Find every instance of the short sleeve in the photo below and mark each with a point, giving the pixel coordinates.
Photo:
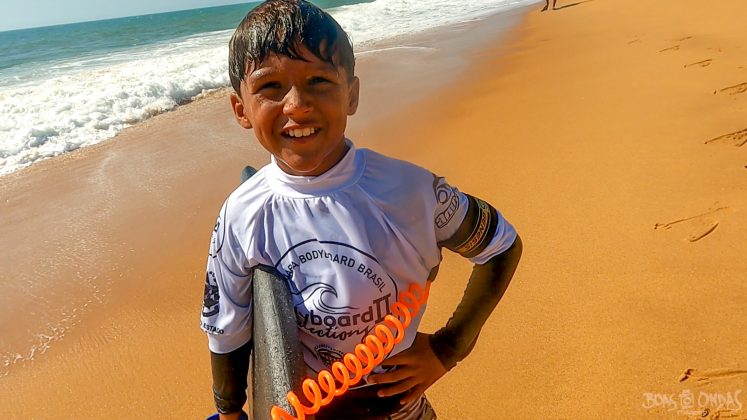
(227, 304)
(468, 225)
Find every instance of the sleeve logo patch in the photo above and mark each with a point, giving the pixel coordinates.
(216, 241)
(445, 196)
(210, 305)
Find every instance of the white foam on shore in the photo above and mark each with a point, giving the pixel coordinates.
(369, 23)
(95, 99)
(60, 107)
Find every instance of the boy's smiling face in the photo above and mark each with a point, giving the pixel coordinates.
(298, 110)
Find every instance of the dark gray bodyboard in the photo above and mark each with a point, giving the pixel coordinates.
(277, 361)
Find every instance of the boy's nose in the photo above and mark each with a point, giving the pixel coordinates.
(296, 102)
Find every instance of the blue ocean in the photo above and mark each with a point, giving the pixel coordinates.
(69, 86)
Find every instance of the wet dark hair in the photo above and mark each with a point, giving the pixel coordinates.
(282, 27)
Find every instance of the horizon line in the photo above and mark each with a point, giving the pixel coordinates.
(3, 30)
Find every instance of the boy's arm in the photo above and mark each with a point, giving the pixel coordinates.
(226, 317)
(229, 380)
(431, 356)
(486, 286)
(474, 229)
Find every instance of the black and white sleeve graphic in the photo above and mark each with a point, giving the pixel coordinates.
(468, 225)
(227, 303)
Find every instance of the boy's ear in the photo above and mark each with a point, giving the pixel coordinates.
(239, 111)
(355, 87)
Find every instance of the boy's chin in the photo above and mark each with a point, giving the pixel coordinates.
(301, 167)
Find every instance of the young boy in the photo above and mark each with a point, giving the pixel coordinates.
(349, 228)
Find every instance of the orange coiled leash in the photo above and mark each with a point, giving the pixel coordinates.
(362, 361)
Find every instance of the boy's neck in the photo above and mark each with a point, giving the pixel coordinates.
(336, 156)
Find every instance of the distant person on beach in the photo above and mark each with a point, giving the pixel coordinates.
(348, 228)
(547, 4)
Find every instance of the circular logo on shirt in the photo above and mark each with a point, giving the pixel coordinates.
(339, 293)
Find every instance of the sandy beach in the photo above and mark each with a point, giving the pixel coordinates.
(612, 134)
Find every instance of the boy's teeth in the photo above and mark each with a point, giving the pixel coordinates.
(301, 132)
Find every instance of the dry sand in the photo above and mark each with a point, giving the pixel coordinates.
(603, 130)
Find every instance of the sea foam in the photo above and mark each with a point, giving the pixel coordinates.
(95, 98)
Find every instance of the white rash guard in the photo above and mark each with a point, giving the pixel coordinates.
(348, 241)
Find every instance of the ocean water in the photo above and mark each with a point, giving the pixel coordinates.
(70, 86)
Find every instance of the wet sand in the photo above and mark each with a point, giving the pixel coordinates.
(608, 132)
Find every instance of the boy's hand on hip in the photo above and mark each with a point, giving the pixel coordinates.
(417, 369)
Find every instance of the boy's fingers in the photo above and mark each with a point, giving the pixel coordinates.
(398, 359)
(389, 377)
(398, 388)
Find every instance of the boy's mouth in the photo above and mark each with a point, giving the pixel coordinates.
(300, 133)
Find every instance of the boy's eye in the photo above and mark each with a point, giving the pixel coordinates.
(269, 85)
(319, 80)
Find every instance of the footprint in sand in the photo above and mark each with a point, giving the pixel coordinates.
(708, 376)
(701, 63)
(737, 138)
(699, 226)
(674, 48)
(734, 90)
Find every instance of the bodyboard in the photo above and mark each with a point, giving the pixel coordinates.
(276, 365)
